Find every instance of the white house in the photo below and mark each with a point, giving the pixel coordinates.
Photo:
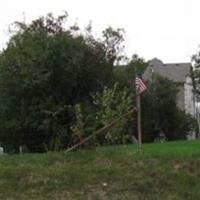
(179, 73)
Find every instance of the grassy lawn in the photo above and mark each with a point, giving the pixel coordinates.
(164, 171)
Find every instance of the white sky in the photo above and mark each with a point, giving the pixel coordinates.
(166, 29)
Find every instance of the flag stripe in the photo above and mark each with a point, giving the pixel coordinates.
(140, 86)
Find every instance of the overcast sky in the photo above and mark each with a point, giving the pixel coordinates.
(166, 29)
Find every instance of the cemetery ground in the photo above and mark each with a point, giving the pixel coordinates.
(163, 171)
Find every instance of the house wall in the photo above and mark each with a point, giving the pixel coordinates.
(177, 72)
(189, 97)
(180, 99)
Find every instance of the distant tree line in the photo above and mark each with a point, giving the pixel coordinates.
(58, 85)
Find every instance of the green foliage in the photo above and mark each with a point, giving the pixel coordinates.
(112, 43)
(125, 74)
(136, 65)
(161, 114)
(111, 105)
(46, 68)
(108, 106)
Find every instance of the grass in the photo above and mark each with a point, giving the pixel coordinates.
(168, 171)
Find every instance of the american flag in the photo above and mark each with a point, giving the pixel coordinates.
(139, 84)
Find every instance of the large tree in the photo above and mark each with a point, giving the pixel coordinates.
(125, 74)
(161, 113)
(45, 70)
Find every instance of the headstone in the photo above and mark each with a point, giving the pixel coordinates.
(134, 140)
(1, 150)
(20, 149)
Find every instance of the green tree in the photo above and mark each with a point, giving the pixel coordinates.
(161, 114)
(44, 70)
(125, 74)
(111, 105)
(108, 106)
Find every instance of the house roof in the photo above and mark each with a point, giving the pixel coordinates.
(176, 72)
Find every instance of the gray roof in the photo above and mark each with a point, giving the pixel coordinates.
(176, 72)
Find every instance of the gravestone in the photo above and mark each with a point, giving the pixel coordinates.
(1, 150)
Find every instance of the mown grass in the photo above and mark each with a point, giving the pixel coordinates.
(163, 171)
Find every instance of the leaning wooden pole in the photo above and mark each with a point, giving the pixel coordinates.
(100, 131)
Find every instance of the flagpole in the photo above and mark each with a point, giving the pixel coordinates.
(138, 101)
(139, 87)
